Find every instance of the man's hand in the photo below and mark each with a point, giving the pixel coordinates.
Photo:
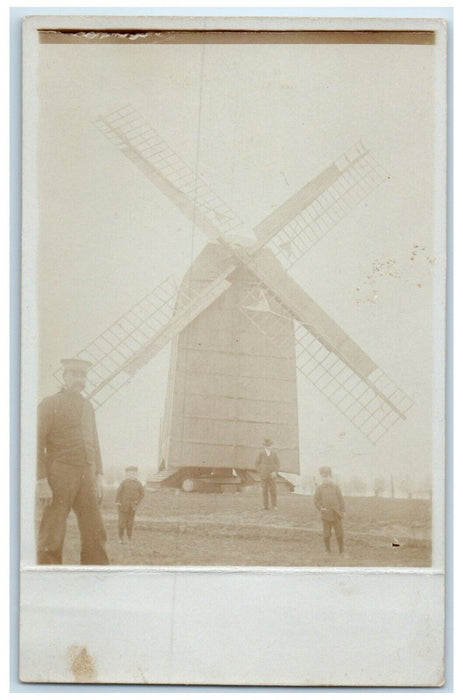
(43, 492)
(99, 487)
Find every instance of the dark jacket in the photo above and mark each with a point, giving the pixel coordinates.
(266, 464)
(67, 432)
(329, 501)
(129, 494)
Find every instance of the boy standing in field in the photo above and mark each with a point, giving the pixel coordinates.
(329, 501)
(129, 495)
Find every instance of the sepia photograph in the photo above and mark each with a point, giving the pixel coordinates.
(234, 259)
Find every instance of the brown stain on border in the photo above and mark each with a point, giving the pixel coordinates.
(234, 36)
(82, 664)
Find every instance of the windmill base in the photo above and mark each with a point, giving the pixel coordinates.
(221, 480)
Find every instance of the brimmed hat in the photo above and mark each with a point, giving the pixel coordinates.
(267, 442)
(76, 364)
(325, 471)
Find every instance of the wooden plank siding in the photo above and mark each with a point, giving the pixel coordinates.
(230, 386)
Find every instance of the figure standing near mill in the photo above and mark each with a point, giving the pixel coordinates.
(329, 500)
(128, 497)
(69, 470)
(267, 464)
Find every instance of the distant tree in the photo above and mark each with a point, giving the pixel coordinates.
(357, 485)
(379, 486)
(425, 486)
(406, 487)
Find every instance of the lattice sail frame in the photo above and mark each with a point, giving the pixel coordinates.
(140, 142)
(112, 349)
(355, 175)
(138, 335)
(373, 403)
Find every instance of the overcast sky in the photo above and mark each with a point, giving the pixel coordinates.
(258, 122)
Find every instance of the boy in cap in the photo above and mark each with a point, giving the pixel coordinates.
(329, 501)
(129, 495)
(267, 464)
(69, 470)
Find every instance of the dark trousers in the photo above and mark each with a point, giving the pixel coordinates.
(125, 522)
(269, 486)
(73, 487)
(328, 525)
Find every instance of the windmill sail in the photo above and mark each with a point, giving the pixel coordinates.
(137, 336)
(307, 216)
(372, 403)
(326, 355)
(141, 144)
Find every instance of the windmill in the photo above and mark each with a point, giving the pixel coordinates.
(239, 325)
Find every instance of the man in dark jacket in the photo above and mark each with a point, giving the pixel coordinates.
(329, 501)
(69, 470)
(128, 497)
(268, 464)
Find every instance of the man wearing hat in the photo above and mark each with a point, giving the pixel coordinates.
(129, 495)
(329, 501)
(69, 470)
(268, 464)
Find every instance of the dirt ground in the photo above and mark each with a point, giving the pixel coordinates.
(175, 528)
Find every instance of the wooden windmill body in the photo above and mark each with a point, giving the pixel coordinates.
(239, 324)
(229, 386)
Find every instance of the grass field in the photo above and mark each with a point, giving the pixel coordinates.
(174, 528)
